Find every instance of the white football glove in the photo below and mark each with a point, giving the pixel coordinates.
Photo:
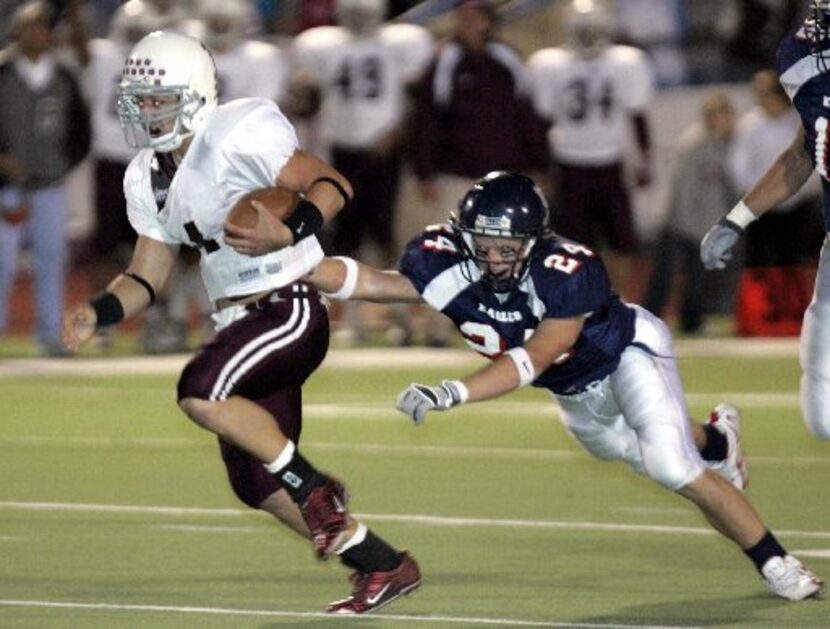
(717, 243)
(417, 399)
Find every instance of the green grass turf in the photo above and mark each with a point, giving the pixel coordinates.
(121, 441)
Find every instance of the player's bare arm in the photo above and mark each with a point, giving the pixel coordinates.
(551, 340)
(514, 369)
(783, 179)
(343, 278)
(325, 192)
(125, 296)
(323, 185)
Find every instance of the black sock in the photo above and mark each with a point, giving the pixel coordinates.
(299, 477)
(716, 444)
(371, 555)
(765, 550)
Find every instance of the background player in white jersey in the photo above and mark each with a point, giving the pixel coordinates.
(802, 64)
(197, 160)
(361, 70)
(112, 231)
(246, 67)
(592, 91)
(540, 308)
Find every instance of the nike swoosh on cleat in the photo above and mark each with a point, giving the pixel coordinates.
(374, 599)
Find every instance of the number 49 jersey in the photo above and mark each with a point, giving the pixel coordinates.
(808, 87)
(565, 280)
(362, 78)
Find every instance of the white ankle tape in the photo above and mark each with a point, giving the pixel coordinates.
(357, 538)
(283, 459)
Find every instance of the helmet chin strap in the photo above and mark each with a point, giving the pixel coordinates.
(170, 141)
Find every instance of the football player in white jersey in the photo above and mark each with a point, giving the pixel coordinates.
(245, 68)
(360, 71)
(591, 91)
(196, 161)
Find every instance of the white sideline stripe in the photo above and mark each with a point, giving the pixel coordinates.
(195, 528)
(387, 358)
(365, 448)
(225, 611)
(815, 554)
(405, 518)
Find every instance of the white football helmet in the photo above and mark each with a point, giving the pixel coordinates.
(361, 16)
(179, 72)
(225, 22)
(133, 20)
(589, 27)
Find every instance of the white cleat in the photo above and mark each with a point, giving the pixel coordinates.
(788, 578)
(726, 419)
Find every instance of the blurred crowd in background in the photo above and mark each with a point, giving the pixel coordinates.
(643, 121)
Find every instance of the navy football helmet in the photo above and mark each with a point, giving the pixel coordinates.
(503, 205)
(817, 29)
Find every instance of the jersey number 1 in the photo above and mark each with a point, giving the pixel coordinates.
(821, 147)
(209, 245)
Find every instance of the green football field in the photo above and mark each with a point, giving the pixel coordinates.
(115, 512)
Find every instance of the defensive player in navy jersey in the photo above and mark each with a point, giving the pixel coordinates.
(542, 309)
(803, 63)
(197, 160)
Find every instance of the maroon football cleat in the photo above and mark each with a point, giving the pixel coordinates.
(324, 511)
(373, 590)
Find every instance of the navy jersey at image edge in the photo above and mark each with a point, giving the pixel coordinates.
(809, 89)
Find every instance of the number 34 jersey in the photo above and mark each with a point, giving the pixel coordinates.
(808, 86)
(565, 280)
(243, 146)
(590, 100)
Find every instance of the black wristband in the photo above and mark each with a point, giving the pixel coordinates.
(337, 186)
(144, 283)
(306, 220)
(108, 310)
(733, 226)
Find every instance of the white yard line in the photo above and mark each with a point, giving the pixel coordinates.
(275, 613)
(551, 454)
(403, 518)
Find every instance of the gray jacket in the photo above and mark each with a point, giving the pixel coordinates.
(48, 130)
(701, 191)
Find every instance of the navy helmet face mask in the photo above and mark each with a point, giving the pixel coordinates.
(817, 28)
(502, 205)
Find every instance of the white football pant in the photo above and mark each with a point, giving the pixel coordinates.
(815, 353)
(638, 414)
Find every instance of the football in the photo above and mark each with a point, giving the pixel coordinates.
(278, 201)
